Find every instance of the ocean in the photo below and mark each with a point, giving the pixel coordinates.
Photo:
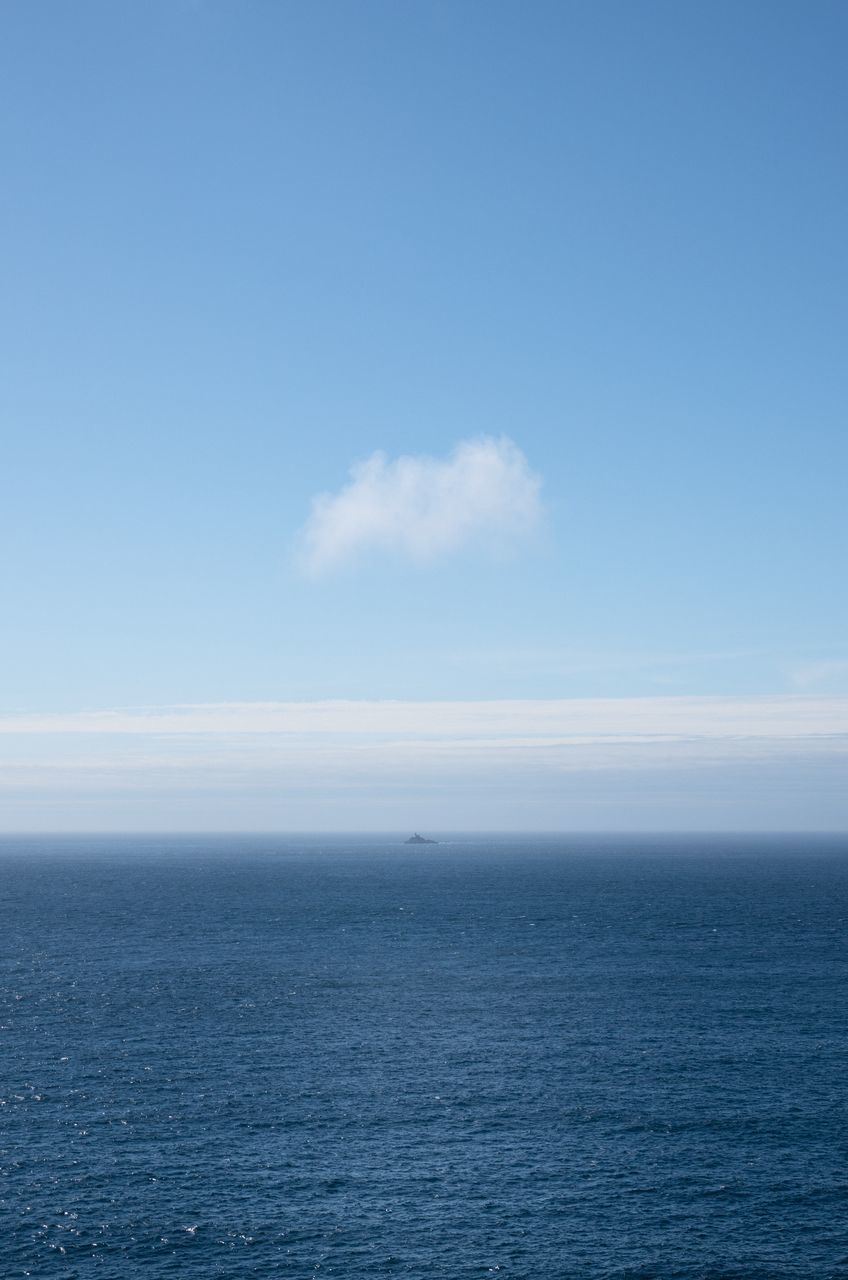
(573, 1057)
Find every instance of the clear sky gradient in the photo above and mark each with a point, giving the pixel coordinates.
(576, 272)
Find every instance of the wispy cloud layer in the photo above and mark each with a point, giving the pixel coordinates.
(585, 719)
(421, 507)
(673, 762)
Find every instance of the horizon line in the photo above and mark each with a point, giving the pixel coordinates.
(547, 832)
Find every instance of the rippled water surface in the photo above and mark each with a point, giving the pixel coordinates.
(527, 1058)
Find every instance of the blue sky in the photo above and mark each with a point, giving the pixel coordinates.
(247, 246)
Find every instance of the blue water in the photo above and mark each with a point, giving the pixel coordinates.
(517, 1058)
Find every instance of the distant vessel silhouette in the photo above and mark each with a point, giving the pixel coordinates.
(417, 839)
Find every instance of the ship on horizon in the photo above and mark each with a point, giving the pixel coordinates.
(417, 839)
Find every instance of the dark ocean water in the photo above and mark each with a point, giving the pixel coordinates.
(529, 1058)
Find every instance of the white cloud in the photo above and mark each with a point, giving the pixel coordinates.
(826, 674)
(422, 507)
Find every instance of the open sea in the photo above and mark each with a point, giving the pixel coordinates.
(565, 1058)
